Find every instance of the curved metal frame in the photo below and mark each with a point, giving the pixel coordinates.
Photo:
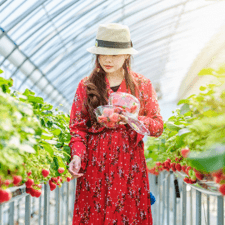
(155, 55)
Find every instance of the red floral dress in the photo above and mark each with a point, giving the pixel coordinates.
(114, 189)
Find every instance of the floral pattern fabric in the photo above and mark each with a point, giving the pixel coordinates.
(114, 189)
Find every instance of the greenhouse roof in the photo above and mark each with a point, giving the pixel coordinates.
(43, 42)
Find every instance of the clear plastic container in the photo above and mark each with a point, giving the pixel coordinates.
(108, 115)
(131, 106)
(128, 102)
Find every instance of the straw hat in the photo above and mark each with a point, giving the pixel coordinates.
(113, 39)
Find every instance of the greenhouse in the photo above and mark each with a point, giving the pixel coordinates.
(112, 112)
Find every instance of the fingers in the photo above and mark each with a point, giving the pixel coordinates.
(74, 168)
(123, 119)
(73, 177)
(75, 174)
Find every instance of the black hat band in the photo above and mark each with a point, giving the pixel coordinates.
(111, 44)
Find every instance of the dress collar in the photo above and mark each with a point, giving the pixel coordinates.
(121, 88)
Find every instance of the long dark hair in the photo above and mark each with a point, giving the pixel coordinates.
(96, 86)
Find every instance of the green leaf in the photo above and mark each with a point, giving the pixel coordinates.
(202, 88)
(183, 131)
(35, 99)
(184, 109)
(47, 147)
(171, 126)
(206, 71)
(1, 71)
(47, 136)
(182, 101)
(56, 132)
(49, 124)
(209, 160)
(28, 92)
(210, 113)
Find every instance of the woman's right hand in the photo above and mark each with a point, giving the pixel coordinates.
(74, 167)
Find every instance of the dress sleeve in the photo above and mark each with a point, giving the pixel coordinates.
(79, 117)
(150, 111)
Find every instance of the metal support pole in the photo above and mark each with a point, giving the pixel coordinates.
(220, 210)
(191, 207)
(208, 211)
(184, 202)
(1, 218)
(67, 203)
(46, 209)
(159, 199)
(57, 208)
(168, 199)
(164, 194)
(40, 211)
(198, 208)
(11, 213)
(27, 209)
(174, 204)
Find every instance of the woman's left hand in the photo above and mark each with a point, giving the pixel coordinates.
(123, 119)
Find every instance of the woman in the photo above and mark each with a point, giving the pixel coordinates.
(113, 186)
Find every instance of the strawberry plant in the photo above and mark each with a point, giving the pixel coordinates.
(193, 137)
(33, 141)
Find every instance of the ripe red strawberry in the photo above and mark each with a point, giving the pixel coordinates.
(173, 164)
(5, 195)
(158, 163)
(68, 179)
(54, 179)
(167, 164)
(117, 110)
(184, 168)
(185, 152)
(16, 179)
(52, 185)
(217, 179)
(217, 174)
(39, 185)
(45, 172)
(60, 178)
(222, 189)
(192, 181)
(61, 170)
(173, 168)
(187, 169)
(7, 182)
(28, 190)
(133, 108)
(168, 160)
(178, 166)
(29, 173)
(199, 176)
(38, 193)
(186, 179)
(32, 192)
(29, 183)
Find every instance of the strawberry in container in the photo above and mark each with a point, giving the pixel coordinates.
(130, 107)
(129, 103)
(108, 115)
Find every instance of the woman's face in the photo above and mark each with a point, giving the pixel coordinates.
(116, 61)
